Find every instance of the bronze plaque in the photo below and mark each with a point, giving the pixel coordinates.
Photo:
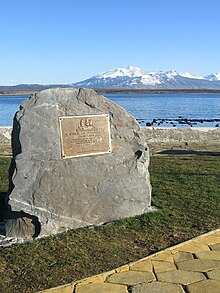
(85, 135)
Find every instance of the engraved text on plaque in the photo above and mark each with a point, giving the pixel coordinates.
(85, 135)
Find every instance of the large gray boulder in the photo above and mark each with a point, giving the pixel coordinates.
(70, 193)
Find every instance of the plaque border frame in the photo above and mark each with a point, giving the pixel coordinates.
(63, 156)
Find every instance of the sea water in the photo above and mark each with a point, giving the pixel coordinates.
(172, 108)
(164, 109)
(9, 105)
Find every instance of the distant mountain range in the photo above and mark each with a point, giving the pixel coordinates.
(134, 78)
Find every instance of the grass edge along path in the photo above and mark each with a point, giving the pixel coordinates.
(185, 188)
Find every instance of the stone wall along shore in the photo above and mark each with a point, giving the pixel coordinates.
(155, 134)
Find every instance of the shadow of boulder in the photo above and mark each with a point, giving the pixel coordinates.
(188, 152)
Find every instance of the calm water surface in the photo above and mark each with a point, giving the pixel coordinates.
(145, 107)
(9, 105)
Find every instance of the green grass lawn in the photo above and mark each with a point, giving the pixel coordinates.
(4, 166)
(186, 189)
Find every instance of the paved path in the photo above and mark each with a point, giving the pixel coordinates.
(190, 267)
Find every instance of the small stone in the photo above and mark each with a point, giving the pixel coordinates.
(164, 256)
(95, 279)
(215, 274)
(20, 228)
(192, 247)
(210, 239)
(180, 277)
(212, 255)
(199, 265)
(157, 287)
(206, 286)
(124, 268)
(143, 266)
(163, 266)
(131, 278)
(182, 256)
(215, 247)
(101, 288)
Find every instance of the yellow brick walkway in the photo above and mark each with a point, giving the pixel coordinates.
(192, 267)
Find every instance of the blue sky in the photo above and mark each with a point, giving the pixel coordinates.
(64, 41)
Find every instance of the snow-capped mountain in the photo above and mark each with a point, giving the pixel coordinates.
(130, 71)
(213, 76)
(189, 75)
(134, 77)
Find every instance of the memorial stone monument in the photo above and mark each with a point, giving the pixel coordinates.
(78, 160)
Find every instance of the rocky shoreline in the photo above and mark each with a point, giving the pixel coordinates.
(179, 121)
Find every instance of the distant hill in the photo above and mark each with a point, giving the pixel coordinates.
(30, 87)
